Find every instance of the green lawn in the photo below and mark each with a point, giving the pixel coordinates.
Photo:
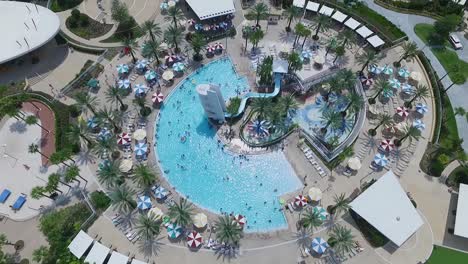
(446, 57)
(441, 255)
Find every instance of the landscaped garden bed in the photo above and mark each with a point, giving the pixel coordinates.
(62, 5)
(459, 175)
(81, 85)
(442, 255)
(83, 26)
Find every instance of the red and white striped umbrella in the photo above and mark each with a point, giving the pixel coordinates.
(367, 81)
(402, 111)
(300, 200)
(218, 46)
(194, 239)
(170, 58)
(123, 139)
(240, 220)
(157, 97)
(387, 145)
(210, 49)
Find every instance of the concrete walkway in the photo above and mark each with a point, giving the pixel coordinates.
(406, 23)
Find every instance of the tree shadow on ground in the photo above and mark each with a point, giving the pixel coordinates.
(18, 127)
(226, 253)
(150, 247)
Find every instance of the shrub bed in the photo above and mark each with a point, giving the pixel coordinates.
(81, 85)
(458, 175)
(62, 5)
(83, 26)
(433, 8)
(100, 200)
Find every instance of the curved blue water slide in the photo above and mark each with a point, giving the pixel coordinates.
(249, 95)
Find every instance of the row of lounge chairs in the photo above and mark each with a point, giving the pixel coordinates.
(20, 201)
(124, 226)
(309, 154)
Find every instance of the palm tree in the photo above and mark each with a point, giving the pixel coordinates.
(38, 192)
(152, 29)
(420, 92)
(104, 147)
(306, 33)
(355, 103)
(339, 52)
(52, 183)
(246, 32)
(228, 231)
(174, 14)
(261, 105)
(381, 85)
(348, 38)
(410, 50)
(412, 133)
(131, 45)
(60, 157)
(255, 37)
(259, 11)
(181, 212)
(109, 115)
(71, 173)
(148, 226)
(291, 13)
(85, 101)
(385, 120)
(342, 239)
(77, 132)
(151, 49)
(114, 95)
(197, 42)
(299, 30)
(366, 58)
(294, 62)
(288, 103)
(276, 118)
(32, 120)
(310, 219)
(144, 176)
(173, 35)
(347, 78)
(341, 204)
(122, 198)
(332, 119)
(322, 24)
(331, 44)
(141, 103)
(34, 148)
(110, 175)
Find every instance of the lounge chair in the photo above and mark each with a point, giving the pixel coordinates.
(4, 195)
(19, 202)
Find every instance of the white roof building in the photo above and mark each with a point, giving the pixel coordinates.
(352, 23)
(24, 28)
(312, 6)
(98, 254)
(299, 3)
(136, 261)
(386, 206)
(461, 220)
(326, 10)
(208, 9)
(80, 244)
(364, 31)
(117, 258)
(375, 41)
(338, 16)
(280, 66)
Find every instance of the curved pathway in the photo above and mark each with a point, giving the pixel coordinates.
(406, 23)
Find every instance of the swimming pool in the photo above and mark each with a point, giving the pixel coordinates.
(200, 168)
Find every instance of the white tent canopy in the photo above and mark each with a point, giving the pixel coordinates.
(117, 258)
(80, 244)
(208, 9)
(352, 23)
(136, 261)
(364, 31)
(326, 10)
(312, 6)
(375, 41)
(386, 206)
(338, 16)
(461, 220)
(98, 254)
(299, 3)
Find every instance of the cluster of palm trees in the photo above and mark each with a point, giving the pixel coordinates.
(72, 173)
(411, 133)
(275, 113)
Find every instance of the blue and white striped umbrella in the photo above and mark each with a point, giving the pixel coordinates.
(122, 68)
(306, 54)
(124, 84)
(104, 134)
(418, 123)
(164, 6)
(140, 89)
(160, 192)
(174, 230)
(388, 70)
(92, 122)
(380, 159)
(395, 83)
(141, 64)
(403, 72)
(144, 203)
(421, 108)
(319, 245)
(178, 66)
(141, 149)
(150, 75)
(374, 68)
(407, 88)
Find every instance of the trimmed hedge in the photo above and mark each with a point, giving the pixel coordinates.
(62, 5)
(100, 200)
(435, 9)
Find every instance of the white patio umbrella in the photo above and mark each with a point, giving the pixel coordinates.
(168, 75)
(126, 165)
(319, 59)
(200, 220)
(354, 163)
(315, 194)
(171, 3)
(139, 134)
(156, 212)
(415, 76)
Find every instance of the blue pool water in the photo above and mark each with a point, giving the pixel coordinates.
(199, 167)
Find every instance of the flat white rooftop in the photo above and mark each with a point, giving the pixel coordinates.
(461, 220)
(208, 9)
(312, 6)
(375, 41)
(98, 254)
(352, 23)
(386, 206)
(299, 3)
(364, 31)
(80, 244)
(117, 258)
(24, 28)
(326, 10)
(338, 16)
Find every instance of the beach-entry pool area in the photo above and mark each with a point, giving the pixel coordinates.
(201, 169)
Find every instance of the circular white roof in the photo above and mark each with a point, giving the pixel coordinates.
(24, 28)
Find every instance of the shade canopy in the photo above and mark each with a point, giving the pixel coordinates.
(313, 6)
(315, 194)
(141, 149)
(402, 111)
(421, 108)
(416, 76)
(326, 10)
(139, 134)
(354, 163)
(123, 139)
(194, 239)
(380, 159)
(240, 220)
(150, 75)
(178, 67)
(136, 261)
(387, 145)
(140, 89)
(144, 202)
(387, 70)
(117, 258)
(375, 41)
(122, 68)
(300, 200)
(364, 31)
(97, 254)
(168, 75)
(403, 72)
(299, 3)
(419, 124)
(124, 84)
(208, 9)
(93, 83)
(319, 245)
(338, 16)
(80, 244)
(386, 206)
(126, 165)
(155, 212)
(200, 220)
(174, 230)
(374, 68)
(352, 23)
(321, 212)
(160, 192)
(157, 97)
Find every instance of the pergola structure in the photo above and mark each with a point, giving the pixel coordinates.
(209, 9)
